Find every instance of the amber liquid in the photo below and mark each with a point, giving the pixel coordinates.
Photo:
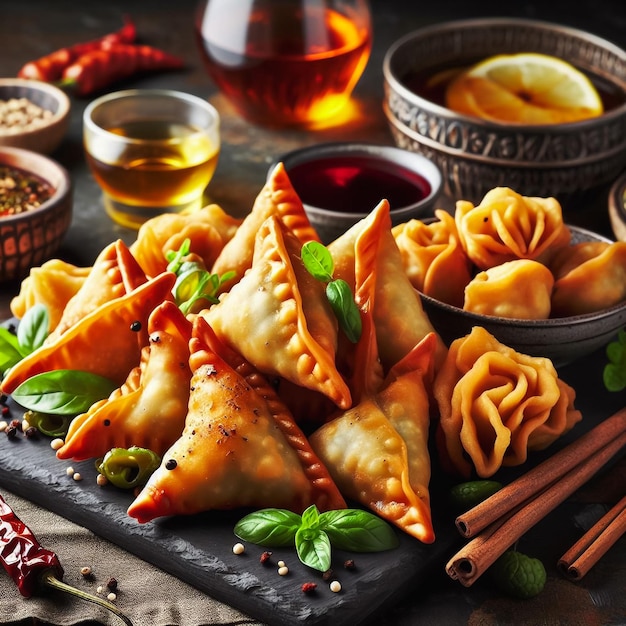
(168, 170)
(356, 184)
(284, 78)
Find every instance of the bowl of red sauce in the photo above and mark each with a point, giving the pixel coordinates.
(341, 183)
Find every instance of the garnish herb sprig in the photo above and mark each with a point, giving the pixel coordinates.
(195, 287)
(614, 374)
(313, 533)
(32, 331)
(319, 263)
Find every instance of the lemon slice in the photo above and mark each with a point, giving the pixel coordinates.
(524, 88)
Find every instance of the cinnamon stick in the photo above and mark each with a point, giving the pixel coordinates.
(594, 544)
(471, 561)
(536, 479)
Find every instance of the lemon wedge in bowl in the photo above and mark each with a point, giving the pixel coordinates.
(524, 88)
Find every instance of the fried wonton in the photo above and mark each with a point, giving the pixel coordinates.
(115, 272)
(277, 198)
(279, 318)
(208, 230)
(149, 409)
(496, 405)
(589, 277)
(53, 285)
(377, 451)
(519, 289)
(507, 226)
(231, 454)
(433, 257)
(108, 341)
(399, 317)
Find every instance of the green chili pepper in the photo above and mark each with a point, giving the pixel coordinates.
(128, 468)
(49, 424)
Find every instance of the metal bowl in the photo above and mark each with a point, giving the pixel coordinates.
(562, 339)
(574, 162)
(29, 238)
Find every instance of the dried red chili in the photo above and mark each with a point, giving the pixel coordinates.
(99, 68)
(32, 566)
(50, 68)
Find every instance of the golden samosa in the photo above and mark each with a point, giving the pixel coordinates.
(149, 409)
(231, 454)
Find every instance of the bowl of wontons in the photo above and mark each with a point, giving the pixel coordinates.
(562, 297)
(576, 161)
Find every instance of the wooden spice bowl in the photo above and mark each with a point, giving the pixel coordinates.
(31, 237)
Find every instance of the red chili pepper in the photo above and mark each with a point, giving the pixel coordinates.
(99, 68)
(50, 68)
(32, 566)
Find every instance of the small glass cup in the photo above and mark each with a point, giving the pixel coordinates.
(285, 62)
(151, 151)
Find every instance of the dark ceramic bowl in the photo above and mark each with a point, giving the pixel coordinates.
(341, 183)
(47, 137)
(575, 162)
(563, 340)
(29, 238)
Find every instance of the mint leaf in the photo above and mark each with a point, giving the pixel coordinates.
(62, 392)
(342, 302)
(269, 527)
(318, 261)
(357, 530)
(313, 548)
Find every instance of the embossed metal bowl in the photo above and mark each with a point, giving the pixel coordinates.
(574, 162)
(31, 237)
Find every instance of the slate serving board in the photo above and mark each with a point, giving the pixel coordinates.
(198, 549)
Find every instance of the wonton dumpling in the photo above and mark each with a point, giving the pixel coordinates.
(115, 272)
(53, 285)
(507, 226)
(496, 404)
(519, 289)
(231, 454)
(399, 317)
(433, 257)
(589, 277)
(149, 410)
(208, 230)
(277, 198)
(278, 317)
(107, 342)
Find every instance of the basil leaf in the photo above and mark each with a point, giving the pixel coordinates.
(317, 260)
(358, 531)
(614, 373)
(313, 548)
(33, 329)
(10, 352)
(269, 527)
(62, 392)
(342, 302)
(310, 517)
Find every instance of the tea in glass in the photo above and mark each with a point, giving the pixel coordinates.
(151, 151)
(285, 62)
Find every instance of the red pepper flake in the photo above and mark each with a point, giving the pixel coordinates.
(309, 588)
(21, 191)
(349, 564)
(6, 410)
(265, 557)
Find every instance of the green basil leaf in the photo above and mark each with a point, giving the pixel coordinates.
(358, 531)
(317, 260)
(273, 528)
(313, 548)
(33, 329)
(310, 517)
(62, 392)
(614, 377)
(342, 302)
(10, 352)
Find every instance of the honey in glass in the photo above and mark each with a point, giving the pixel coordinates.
(285, 62)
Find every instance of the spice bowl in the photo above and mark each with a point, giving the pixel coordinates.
(576, 162)
(341, 183)
(33, 115)
(32, 234)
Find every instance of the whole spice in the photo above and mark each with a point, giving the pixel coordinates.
(32, 566)
(99, 68)
(50, 68)
(21, 191)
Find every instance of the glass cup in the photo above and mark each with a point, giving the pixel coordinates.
(151, 151)
(285, 62)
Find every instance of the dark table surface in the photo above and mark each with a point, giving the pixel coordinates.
(32, 28)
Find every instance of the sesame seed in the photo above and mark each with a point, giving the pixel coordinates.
(283, 570)
(112, 597)
(69, 471)
(239, 548)
(55, 444)
(335, 586)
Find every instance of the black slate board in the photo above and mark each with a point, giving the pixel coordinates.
(198, 549)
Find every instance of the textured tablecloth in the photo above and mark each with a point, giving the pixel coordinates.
(149, 596)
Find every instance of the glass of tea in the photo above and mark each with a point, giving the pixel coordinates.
(285, 62)
(151, 151)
